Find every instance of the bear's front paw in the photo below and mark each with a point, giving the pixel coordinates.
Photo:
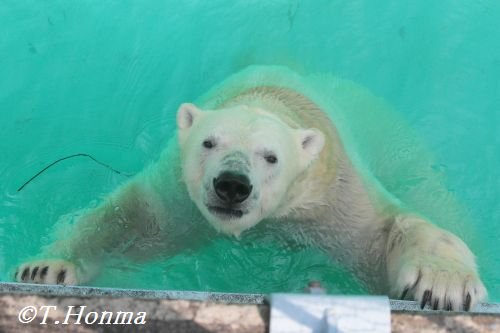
(47, 272)
(441, 284)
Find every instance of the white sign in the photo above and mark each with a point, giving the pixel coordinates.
(329, 314)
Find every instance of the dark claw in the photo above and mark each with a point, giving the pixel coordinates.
(418, 279)
(426, 298)
(25, 274)
(436, 304)
(449, 307)
(467, 302)
(403, 295)
(33, 272)
(43, 272)
(15, 275)
(61, 276)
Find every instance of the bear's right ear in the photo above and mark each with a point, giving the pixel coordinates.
(312, 142)
(186, 115)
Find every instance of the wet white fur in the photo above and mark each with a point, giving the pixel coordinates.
(315, 187)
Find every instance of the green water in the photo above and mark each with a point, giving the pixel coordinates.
(105, 77)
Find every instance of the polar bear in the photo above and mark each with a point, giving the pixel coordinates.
(268, 152)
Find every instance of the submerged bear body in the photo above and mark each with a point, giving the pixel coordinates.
(269, 152)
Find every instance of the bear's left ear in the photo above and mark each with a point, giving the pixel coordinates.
(312, 141)
(186, 115)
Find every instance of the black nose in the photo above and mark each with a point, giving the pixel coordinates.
(232, 187)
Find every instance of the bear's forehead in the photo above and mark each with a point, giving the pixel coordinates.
(238, 119)
(252, 130)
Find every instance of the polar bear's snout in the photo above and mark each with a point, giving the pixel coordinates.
(232, 188)
(231, 192)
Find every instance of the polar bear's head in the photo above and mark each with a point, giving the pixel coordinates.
(239, 162)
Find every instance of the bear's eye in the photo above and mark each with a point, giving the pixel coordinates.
(209, 144)
(271, 159)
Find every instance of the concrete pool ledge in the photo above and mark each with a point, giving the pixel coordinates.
(186, 311)
(230, 298)
(78, 291)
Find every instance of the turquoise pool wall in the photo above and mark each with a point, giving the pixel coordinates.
(105, 77)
